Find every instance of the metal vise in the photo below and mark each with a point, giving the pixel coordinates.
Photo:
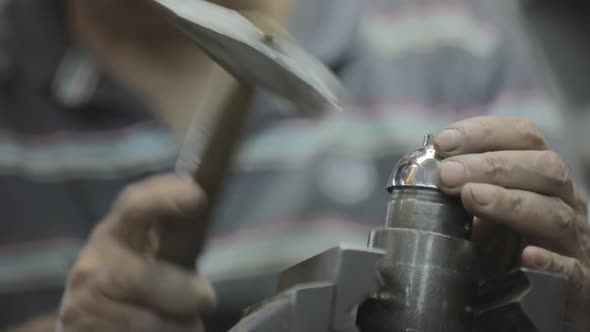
(418, 274)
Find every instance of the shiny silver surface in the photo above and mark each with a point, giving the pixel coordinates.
(429, 270)
(418, 168)
(274, 63)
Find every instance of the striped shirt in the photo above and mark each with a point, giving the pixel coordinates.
(61, 163)
(298, 186)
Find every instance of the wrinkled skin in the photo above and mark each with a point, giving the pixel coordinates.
(507, 177)
(117, 285)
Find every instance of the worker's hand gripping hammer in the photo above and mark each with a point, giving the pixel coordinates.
(258, 54)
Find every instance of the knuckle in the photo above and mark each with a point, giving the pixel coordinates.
(189, 206)
(580, 203)
(87, 266)
(496, 167)
(460, 127)
(130, 197)
(121, 280)
(101, 234)
(126, 282)
(530, 133)
(554, 167)
(577, 276)
(201, 197)
(565, 218)
(486, 125)
(202, 298)
(483, 124)
(516, 204)
(70, 314)
(80, 276)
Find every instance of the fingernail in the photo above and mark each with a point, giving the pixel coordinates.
(541, 261)
(452, 174)
(448, 140)
(483, 195)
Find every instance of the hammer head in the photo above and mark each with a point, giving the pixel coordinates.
(275, 63)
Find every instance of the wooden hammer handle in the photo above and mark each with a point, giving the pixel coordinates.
(181, 244)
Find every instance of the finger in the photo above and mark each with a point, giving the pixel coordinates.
(542, 172)
(578, 276)
(128, 318)
(542, 259)
(169, 199)
(535, 216)
(158, 285)
(489, 133)
(93, 312)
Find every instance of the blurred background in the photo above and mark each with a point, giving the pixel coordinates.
(560, 32)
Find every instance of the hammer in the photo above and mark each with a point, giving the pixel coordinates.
(258, 53)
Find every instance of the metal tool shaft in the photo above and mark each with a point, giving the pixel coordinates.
(428, 273)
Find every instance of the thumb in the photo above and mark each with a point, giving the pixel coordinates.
(167, 199)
